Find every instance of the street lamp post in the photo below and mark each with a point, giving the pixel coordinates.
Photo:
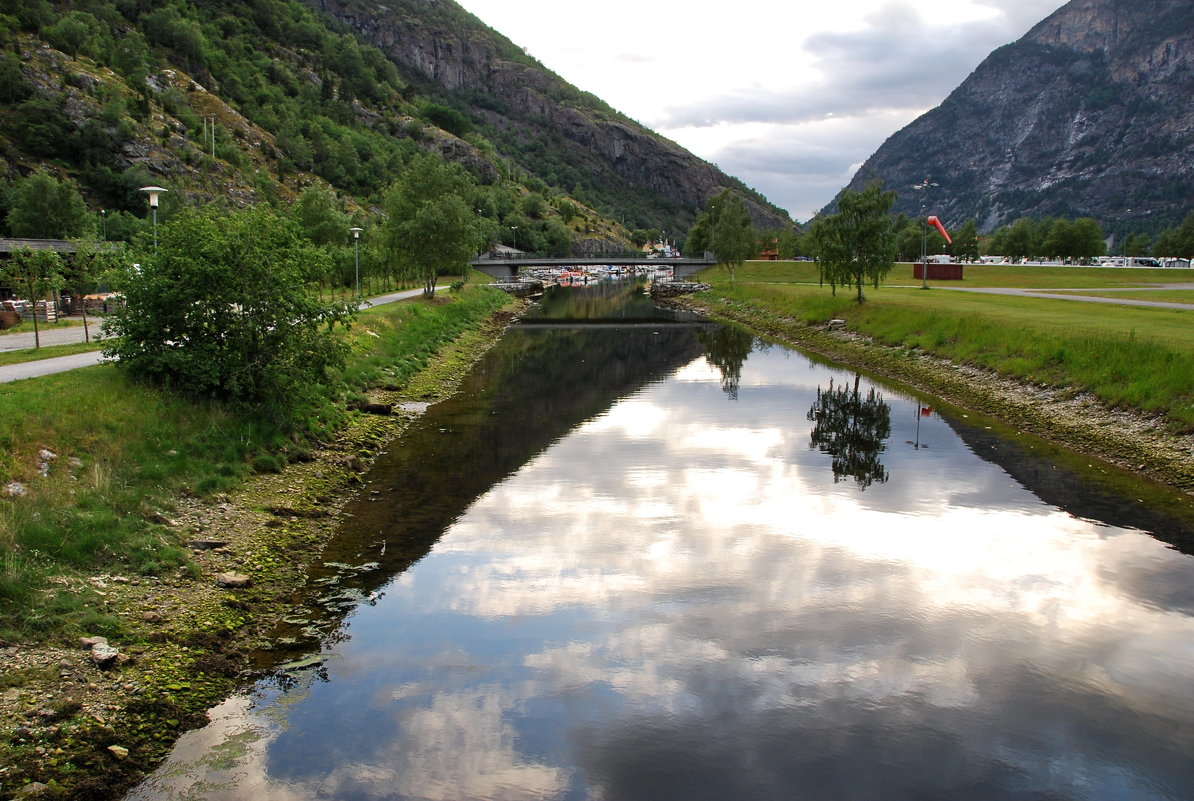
(356, 239)
(923, 188)
(154, 192)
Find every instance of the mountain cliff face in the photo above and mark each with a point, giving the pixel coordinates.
(1090, 114)
(529, 110)
(259, 100)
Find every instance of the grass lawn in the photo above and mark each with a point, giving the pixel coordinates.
(1130, 356)
(1167, 295)
(99, 458)
(26, 325)
(47, 352)
(974, 275)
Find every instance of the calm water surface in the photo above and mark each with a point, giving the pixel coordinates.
(639, 558)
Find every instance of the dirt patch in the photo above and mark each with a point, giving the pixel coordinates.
(73, 725)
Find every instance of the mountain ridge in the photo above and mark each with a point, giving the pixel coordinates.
(451, 50)
(1087, 115)
(123, 94)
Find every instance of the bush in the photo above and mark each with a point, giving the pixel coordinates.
(223, 310)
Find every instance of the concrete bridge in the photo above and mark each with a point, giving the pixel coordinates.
(506, 266)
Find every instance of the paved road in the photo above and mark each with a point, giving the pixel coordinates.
(63, 336)
(58, 364)
(1056, 294)
(50, 336)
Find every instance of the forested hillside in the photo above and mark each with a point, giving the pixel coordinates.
(251, 101)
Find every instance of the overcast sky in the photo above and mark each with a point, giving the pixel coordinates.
(790, 97)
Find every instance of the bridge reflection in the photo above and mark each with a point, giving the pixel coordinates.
(508, 265)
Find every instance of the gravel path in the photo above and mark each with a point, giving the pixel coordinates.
(66, 336)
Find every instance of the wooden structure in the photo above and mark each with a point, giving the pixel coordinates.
(938, 272)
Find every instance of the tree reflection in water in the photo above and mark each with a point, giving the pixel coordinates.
(726, 348)
(852, 429)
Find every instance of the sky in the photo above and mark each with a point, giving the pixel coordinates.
(790, 97)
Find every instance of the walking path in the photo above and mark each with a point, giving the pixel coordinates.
(57, 364)
(1056, 294)
(63, 336)
(51, 336)
(59, 336)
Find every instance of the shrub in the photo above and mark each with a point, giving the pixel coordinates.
(223, 311)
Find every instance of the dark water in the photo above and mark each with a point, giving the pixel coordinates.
(641, 558)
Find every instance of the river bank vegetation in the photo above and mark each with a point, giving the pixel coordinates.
(98, 459)
(1130, 358)
(133, 505)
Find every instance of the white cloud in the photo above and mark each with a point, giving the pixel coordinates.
(787, 97)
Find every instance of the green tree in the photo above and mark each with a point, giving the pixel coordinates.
(1015, 241)
(567, 210)
(79, 32)
(534, 206)
(166, 27)
(223, 311)
(908, 234)
(45, 208)
(1177, 241)
(1087, 239)
(37, 273)
(966, 242)
(83, 272)
(700, 235)
(734, 239)
(557, 236)
(320, 218)
(13, 85)
(790, 243)
(432, 229)
(1136, 244)
(857, 244)
(1060, 241)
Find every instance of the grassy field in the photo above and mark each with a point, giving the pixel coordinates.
(1167, 295)
(26, 325)
(47, 352)
(98, 461)
(1137, 357)
(974, 275)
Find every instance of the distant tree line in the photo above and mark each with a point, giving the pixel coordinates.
(335, 107)
(234, 303)
(1053, 238)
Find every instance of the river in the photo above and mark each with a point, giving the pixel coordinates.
(644, 557)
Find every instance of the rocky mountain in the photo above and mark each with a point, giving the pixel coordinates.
(536, 117)
(1090, 114)
(255, 100)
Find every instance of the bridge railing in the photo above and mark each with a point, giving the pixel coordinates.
(598, 255)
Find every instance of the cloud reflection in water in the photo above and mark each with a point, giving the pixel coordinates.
(677, 601)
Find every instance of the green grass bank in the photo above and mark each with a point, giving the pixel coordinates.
(119, 480)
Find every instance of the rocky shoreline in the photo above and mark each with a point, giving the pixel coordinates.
(87, 720)
(1124, 438)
